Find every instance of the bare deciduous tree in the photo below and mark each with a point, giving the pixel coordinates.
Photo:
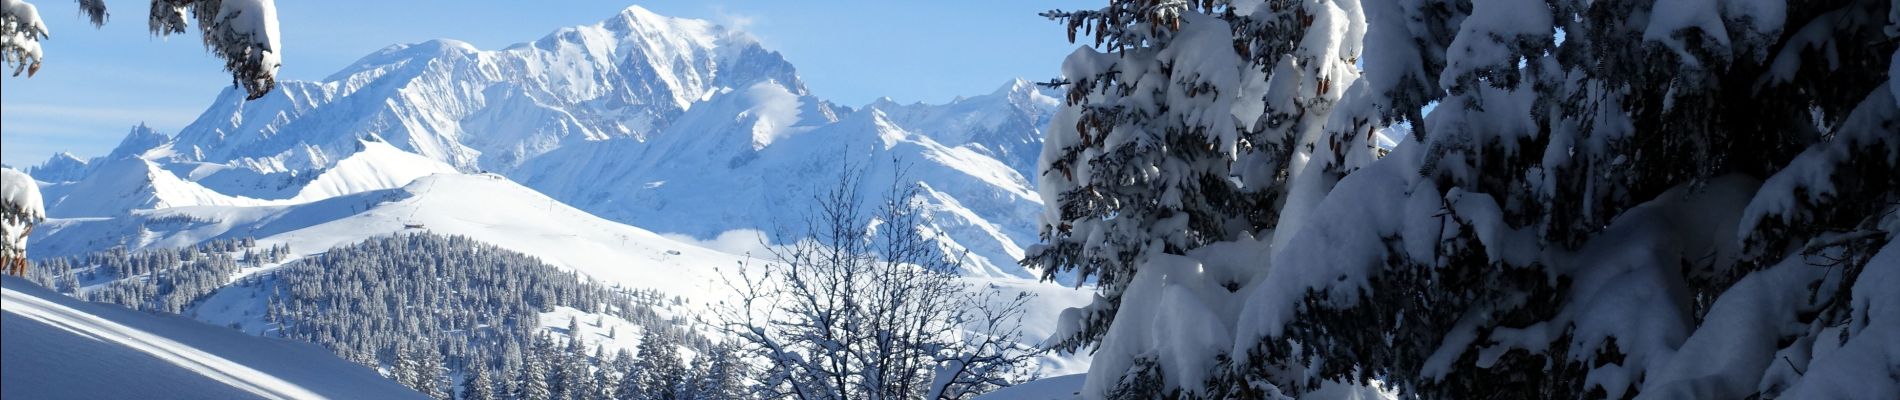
(866, 305)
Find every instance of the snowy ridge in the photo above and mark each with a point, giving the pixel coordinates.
(99, 351)
(705, 184)
(376, 166)
(119, 185)
(1005, 125)
(136, 180)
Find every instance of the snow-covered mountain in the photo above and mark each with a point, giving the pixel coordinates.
(626, 77)
(674, 125)
(752, 175)
(62, 167)
(1005, 125)
(59, 347)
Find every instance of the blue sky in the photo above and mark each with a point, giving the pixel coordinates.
(97, 83)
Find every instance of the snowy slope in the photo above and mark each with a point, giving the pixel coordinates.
(57, 347)
(374, 166)
(507, 215)
(1066, 387)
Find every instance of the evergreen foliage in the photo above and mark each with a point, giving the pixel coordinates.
(1586, 199)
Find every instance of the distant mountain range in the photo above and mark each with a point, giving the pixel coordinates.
(672, 125)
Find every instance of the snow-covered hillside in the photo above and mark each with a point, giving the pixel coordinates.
(58, 347)
(487, 208)
(675, 125)
(506, 214)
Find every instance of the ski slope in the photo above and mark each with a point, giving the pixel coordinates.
(58, 347)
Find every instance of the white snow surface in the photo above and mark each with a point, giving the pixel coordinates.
(1064, 387)
(58, 347)
(1863, 365)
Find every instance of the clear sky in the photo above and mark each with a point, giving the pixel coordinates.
(97, 83)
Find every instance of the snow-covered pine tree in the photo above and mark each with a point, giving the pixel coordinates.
(430, 372)
(577, 380)
(242, 32)
(1187, 133)
(721, 374)
(564, 369)
(627, 376)
(604, 382)
(1602, 202)
(20, 208)
(418, 367)
(508, 375)
(574, 343)
(403, 367)
(477, 384)
(1603, 193)
(21, 31)
(661, 373)
(533, 383)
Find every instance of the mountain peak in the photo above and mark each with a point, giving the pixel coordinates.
(637, 12)
(1017, 85)
(1023, 91)
(141, 139)
(61, 167)
(639, 19)
(65, 156)
(443, 46)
